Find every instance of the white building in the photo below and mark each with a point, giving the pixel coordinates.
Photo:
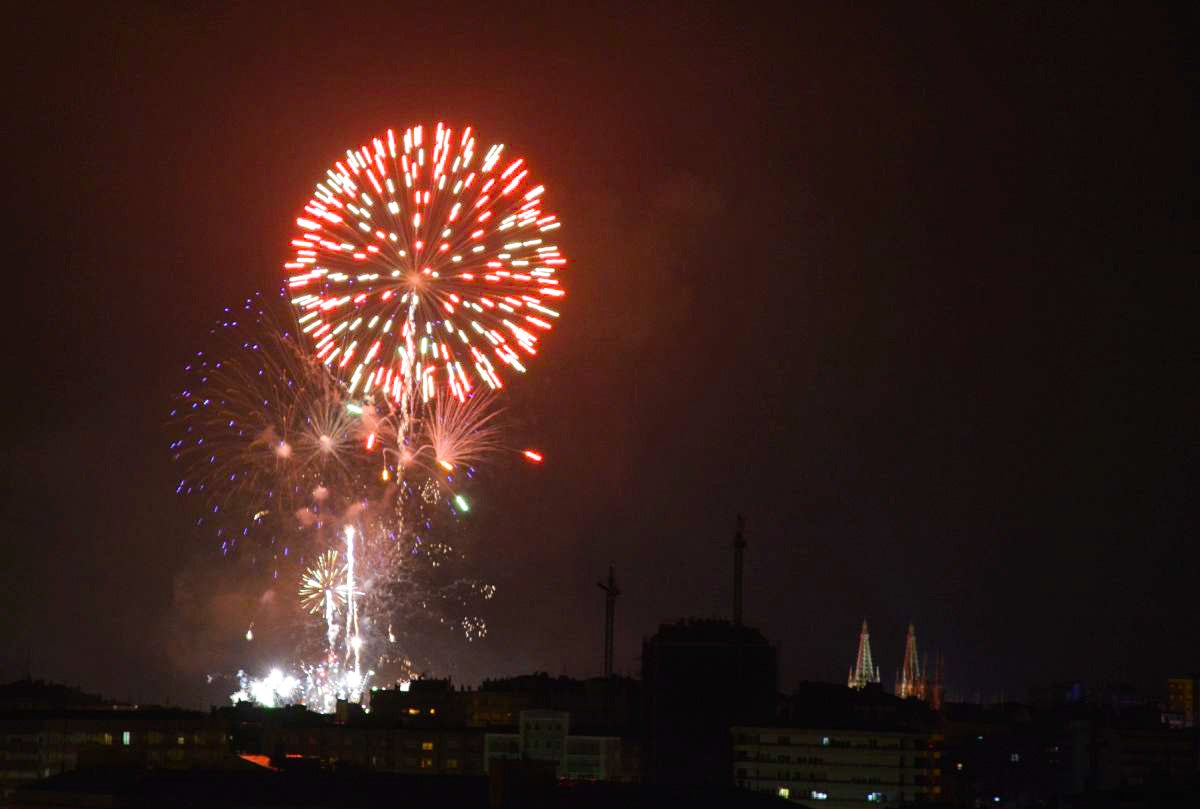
(838, 768)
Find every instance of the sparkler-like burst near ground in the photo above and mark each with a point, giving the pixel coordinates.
(421, 267)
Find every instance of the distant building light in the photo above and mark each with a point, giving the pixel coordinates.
(995, 799)
(818, 795)
(958, 766)
(784, 792)
(875, 797)
(426, 745)
(1014, 758)
(824, 741)
(125, 738)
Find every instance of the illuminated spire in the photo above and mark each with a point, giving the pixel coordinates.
(864, 671)
(910, 681)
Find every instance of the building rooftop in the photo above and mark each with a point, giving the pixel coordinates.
(708, 631)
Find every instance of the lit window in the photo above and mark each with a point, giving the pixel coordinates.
(451, 764)
(784, 792)
(875, 797)
(824, 741)
(1014, 758)
(958, 766)
(818, 795)
(432, 711)
(125, 738)
(426, 763)
(180, 740)
(426, 745)
(413, 711)
(108, 738)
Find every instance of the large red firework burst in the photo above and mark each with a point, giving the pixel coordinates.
(421, 262)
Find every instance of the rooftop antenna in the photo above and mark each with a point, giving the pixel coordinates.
(739, 547)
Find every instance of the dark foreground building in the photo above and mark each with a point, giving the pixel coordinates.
(259, 788)
(699, 679)
(48, 729)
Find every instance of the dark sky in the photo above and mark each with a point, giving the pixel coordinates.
(912, 289)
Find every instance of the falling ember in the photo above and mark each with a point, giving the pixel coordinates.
(533, 455)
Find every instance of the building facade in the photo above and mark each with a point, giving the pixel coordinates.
(39, 744)
(838, 768)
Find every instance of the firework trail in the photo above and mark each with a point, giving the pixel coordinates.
(275, 461)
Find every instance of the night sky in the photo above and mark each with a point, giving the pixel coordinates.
(912, 290)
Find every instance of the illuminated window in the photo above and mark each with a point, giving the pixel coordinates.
(784, 792)
(818, 795)
(180, 740)
(426, 745)
(958, 766)
(432, 711)
(426, 763)
(824, 741)
(1015, 758)
(108, 738)
(451, 764)
(874, 797)
(413, 711)
(125, 738)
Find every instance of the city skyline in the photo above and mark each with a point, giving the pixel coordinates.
(908, 288)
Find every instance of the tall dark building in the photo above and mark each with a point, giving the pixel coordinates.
(699, 678)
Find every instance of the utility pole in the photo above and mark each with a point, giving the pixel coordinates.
(610, 605)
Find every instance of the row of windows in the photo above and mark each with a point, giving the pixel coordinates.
(821, 777)
(385, 742)
(125, 738)
(782, 758)
(829, 741)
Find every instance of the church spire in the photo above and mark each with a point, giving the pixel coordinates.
(865, 671)
(910, 680)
